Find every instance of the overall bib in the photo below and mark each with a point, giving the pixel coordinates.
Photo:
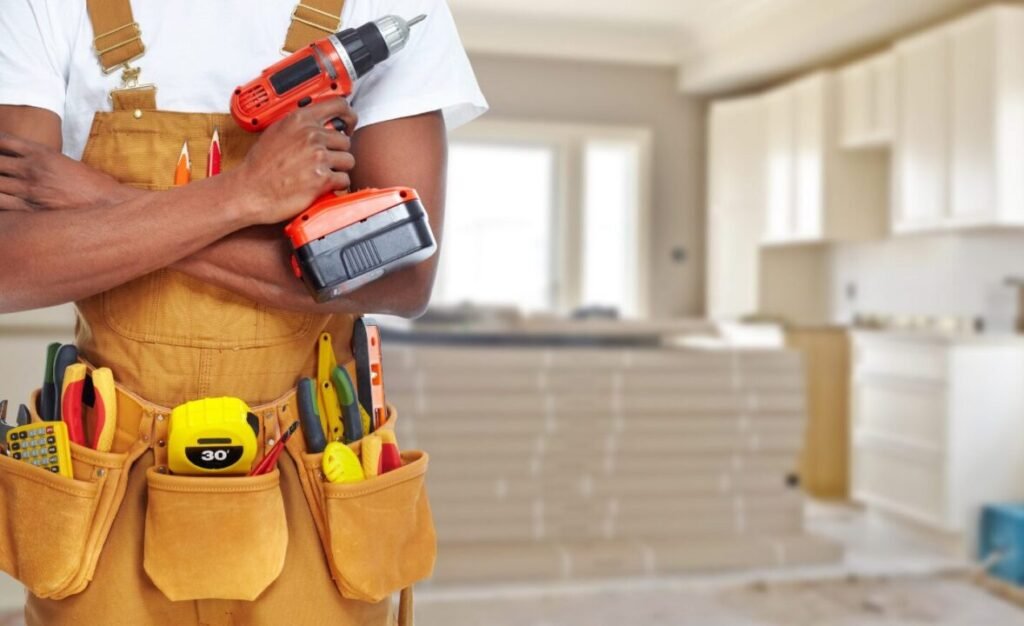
(137, 546)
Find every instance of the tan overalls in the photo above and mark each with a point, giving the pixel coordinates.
(127, 543)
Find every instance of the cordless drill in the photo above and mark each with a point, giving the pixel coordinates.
(341, 242)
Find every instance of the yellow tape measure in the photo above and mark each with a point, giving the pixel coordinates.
(212, 436)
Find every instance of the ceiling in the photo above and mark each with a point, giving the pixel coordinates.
(718, 45)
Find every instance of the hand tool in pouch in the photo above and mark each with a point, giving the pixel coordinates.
(341, 242)
(330, 410)
(366, 348)
(5, 426)
(44, 445)
(212, 436)
(71, 394)
(104, 410)
(48, 394)
(341, 465)
(390, 455)
(269, 461)
(309, 415)
(351, 419)
(370, 452)
(66, 355)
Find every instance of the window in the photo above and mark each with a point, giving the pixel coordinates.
(497, 244)
(545, 217)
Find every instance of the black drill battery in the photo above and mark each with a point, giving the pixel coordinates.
(344, 242)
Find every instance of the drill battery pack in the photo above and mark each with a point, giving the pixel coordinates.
(343, 242)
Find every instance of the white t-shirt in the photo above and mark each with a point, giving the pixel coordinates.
(198, 51)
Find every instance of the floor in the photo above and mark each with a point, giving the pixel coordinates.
(889, 577)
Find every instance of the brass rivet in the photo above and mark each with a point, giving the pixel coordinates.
(161, 443)
(137, 114)
(101, 472)
(270, 442)
(161, 417)
(161, 470)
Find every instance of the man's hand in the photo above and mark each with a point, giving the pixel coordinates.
(36, 177)
(296, 161)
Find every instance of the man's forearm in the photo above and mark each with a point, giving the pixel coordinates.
(51, 257)
(255, 263)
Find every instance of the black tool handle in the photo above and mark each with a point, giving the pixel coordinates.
(67, 355)
(309, 416)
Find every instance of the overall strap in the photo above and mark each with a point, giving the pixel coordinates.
(312, 20)
(117, 41)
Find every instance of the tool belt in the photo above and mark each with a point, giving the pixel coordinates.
(206, 538)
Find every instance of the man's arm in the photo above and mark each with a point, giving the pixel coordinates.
(411, 152)
(49, 257)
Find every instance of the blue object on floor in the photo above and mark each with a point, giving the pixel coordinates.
(1002, 532)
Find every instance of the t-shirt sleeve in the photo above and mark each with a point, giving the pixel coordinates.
(432, 73)
(33, 58)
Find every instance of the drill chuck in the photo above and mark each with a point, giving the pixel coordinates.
(361, 49)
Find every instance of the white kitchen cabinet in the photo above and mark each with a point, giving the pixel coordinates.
(936, 428)
(960, 124)
(736, 199)
(867, 102)
(816, 192)
(987, 118)
(919, 163)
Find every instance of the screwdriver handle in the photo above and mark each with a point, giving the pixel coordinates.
(309, 416)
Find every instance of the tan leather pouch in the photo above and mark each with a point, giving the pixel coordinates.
(214, 537)
(378, 534)
(52, 528)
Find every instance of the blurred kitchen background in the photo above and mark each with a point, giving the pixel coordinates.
(727, 330)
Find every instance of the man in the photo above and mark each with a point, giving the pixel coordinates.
(186, 292)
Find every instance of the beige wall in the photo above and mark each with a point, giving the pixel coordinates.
(599, 93)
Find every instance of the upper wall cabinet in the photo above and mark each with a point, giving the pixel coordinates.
(736, 200)
(815, 192)
(867, 93)
(959, 141)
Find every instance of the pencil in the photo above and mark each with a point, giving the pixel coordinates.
(213, 158)
(183, 171)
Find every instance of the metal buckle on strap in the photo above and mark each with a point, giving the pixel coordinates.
(101, 51)
(334, 19)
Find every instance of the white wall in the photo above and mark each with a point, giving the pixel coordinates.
(939, 274)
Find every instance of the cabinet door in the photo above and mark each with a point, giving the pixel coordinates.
(920, 160)
(735, 206)
(972, 123)
(883, 98)
(809, 138)
(779, 222)
(855, 103)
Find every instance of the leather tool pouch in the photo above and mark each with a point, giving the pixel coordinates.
(221, 537)
(378, 534)
(52, 528)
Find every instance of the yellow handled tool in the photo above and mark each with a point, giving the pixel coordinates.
(341, 464)
(330, 408)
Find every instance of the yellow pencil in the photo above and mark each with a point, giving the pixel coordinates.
(183, 172)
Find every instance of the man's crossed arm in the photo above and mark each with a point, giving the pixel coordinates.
(68, 231)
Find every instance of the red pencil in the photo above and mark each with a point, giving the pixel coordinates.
(268, 462)
(213, 158)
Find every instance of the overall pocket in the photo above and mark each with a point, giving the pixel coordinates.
(214, 537)
(53, 528)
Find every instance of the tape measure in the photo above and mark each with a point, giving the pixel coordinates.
(212, 436)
